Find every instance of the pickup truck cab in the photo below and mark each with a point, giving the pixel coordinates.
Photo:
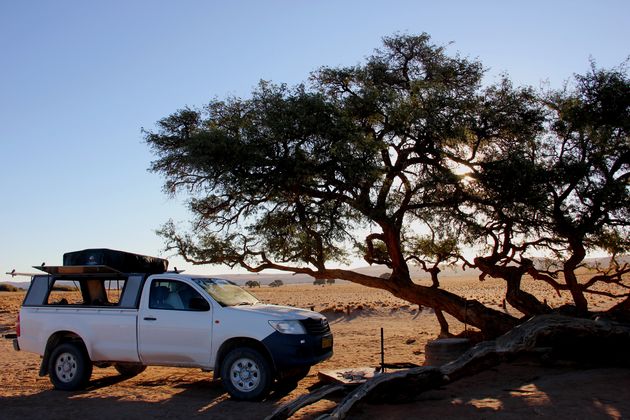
(136, 319)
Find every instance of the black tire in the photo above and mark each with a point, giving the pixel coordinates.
(294, 375)
(69, 367)
(246, 374)
(129, 370)
(288, 379)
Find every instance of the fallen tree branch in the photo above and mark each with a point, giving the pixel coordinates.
(287, 410)
(567, 337)
(393, 387)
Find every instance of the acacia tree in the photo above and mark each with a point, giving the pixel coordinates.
(567, 193)
(290, 178)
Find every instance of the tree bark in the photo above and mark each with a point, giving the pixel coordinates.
(491, 322)
(524, 302)
(444, 332)
(287, 410)
(549, 331)
(579, 253)
(390, 387)
(434, 271)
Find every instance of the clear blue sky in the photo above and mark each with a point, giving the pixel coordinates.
(79, 79)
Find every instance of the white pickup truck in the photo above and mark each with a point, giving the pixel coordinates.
(131, 313)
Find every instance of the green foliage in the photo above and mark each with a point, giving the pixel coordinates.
(292, 178)
(6, 287)
(276, 283)
(322, 282)
(64, 288)
(252, 283)
(590, 166)
(293, 171)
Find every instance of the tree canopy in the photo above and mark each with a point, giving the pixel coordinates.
(408, 158)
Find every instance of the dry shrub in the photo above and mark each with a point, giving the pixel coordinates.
(6, 287)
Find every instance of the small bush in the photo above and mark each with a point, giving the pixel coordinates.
(63, 288)
(276, 283)
(6, 287)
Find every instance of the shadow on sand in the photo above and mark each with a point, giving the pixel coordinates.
(509, 391)
(137, 399)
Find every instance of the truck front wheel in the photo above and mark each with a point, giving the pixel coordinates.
(69, 367)
(294, 375)
(246, 374)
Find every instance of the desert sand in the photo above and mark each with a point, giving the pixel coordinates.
(356, 314)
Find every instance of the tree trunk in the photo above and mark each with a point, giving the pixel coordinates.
(621, 311)
(524, 302)
(570, 278)
(444, 332)
(491, 322)
(391, 237)
(434, 271)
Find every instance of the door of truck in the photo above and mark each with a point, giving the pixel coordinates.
(174, 325)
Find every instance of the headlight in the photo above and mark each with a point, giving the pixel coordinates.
(288, 327)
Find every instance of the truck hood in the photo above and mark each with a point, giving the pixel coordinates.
(276, 312)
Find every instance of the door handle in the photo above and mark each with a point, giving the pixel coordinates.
(150, 318)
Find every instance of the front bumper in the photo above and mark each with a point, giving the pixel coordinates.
(13, 336)
(294, 350)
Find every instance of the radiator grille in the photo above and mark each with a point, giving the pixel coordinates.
(315, 326)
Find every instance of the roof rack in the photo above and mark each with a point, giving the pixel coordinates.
(77, 269)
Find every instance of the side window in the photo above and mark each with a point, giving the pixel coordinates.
(86, 291)
(173, 294)
(65, 293)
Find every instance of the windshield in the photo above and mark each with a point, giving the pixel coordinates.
(225, 292)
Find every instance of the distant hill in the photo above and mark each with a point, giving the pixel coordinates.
(19, 284)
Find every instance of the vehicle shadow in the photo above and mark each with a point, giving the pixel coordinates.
(145, 396)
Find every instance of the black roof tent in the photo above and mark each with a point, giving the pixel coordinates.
(106, 261)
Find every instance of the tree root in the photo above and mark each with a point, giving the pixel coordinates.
(552, 336)
(287, 410)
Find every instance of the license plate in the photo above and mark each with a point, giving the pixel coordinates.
(327, 342)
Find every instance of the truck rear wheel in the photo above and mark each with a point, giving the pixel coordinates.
(129, 370)
(69, 367)
(246, 374)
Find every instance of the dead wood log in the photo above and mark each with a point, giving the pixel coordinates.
(391, 387)
(573, 336)
(287, 410)
(579, 339)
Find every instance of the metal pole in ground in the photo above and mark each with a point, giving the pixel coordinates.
(382, 352)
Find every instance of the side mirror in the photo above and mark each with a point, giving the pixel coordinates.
(198, 304)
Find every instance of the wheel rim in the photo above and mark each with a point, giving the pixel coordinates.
(66, 367)
(245, 374)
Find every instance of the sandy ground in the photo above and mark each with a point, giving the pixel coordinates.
(356, 314)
